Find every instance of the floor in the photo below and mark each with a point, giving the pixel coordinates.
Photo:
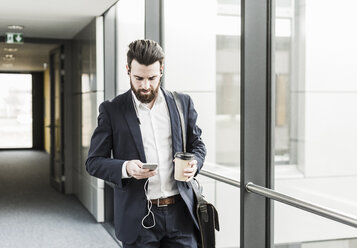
(33, 214)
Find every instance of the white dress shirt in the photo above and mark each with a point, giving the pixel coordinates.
(155, 127)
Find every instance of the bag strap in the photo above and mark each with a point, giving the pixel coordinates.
(182, 121)
(197, 189)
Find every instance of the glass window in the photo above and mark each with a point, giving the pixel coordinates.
(228, 99)
(15, 110)
(203, 60)
(210, 62)
(228, 83)
(130, 19)
(315, 127)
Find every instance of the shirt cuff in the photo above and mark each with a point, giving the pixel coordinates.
(124, 173)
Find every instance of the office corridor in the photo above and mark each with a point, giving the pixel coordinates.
(33, 214)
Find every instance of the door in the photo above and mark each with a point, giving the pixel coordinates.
(57, 177)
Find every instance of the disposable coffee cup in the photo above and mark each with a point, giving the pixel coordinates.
(181, 162)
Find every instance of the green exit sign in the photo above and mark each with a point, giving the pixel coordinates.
(12, 38)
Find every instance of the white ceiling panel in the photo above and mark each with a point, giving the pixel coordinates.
(51, 19)
(60, 19)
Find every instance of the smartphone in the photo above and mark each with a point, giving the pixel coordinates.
(150, 166)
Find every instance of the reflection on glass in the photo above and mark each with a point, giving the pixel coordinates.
(282, 105)
(228, 83)
(15, 110)
(227, 128)
(315, 125)
(203, 60)
(130, 26)
(283, 79)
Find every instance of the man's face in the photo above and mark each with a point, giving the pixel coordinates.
(145, 80)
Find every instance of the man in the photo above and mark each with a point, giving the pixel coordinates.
(143, 126)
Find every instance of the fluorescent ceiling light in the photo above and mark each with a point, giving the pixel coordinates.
(10, 49)
(15, 27)
(8, 58)
(7, 65)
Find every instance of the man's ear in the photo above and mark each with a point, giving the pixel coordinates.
(127, 69)
(162, 70)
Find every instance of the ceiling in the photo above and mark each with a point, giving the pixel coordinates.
(50, 19)
(28, 57)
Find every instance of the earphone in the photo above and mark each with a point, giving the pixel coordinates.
(149, 208)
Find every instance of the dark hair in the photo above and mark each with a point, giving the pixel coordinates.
(146, 52)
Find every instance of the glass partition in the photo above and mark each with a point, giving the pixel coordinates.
(315, 125)
(228, 83)
(295, 228)
(225, 198)
(203, 60)
(202, 49)
(130, 26)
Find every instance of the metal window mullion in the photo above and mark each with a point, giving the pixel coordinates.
(110, 41)
(153, 20)
(154, 24)
(270, 148)
(256, 123)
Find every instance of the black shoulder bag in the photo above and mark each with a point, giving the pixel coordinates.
(206, 213)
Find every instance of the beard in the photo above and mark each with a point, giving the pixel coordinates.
(145, 98)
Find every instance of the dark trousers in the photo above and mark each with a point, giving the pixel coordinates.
(174, 228)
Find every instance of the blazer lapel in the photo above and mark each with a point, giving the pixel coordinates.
(133, 123)
(175, 122)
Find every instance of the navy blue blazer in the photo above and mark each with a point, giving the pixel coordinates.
(118, 132)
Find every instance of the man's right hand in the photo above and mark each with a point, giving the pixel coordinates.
(134, 169)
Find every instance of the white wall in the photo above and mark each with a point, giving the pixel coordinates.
(330, 89)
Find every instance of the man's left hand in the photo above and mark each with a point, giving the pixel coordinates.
(190, 172)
